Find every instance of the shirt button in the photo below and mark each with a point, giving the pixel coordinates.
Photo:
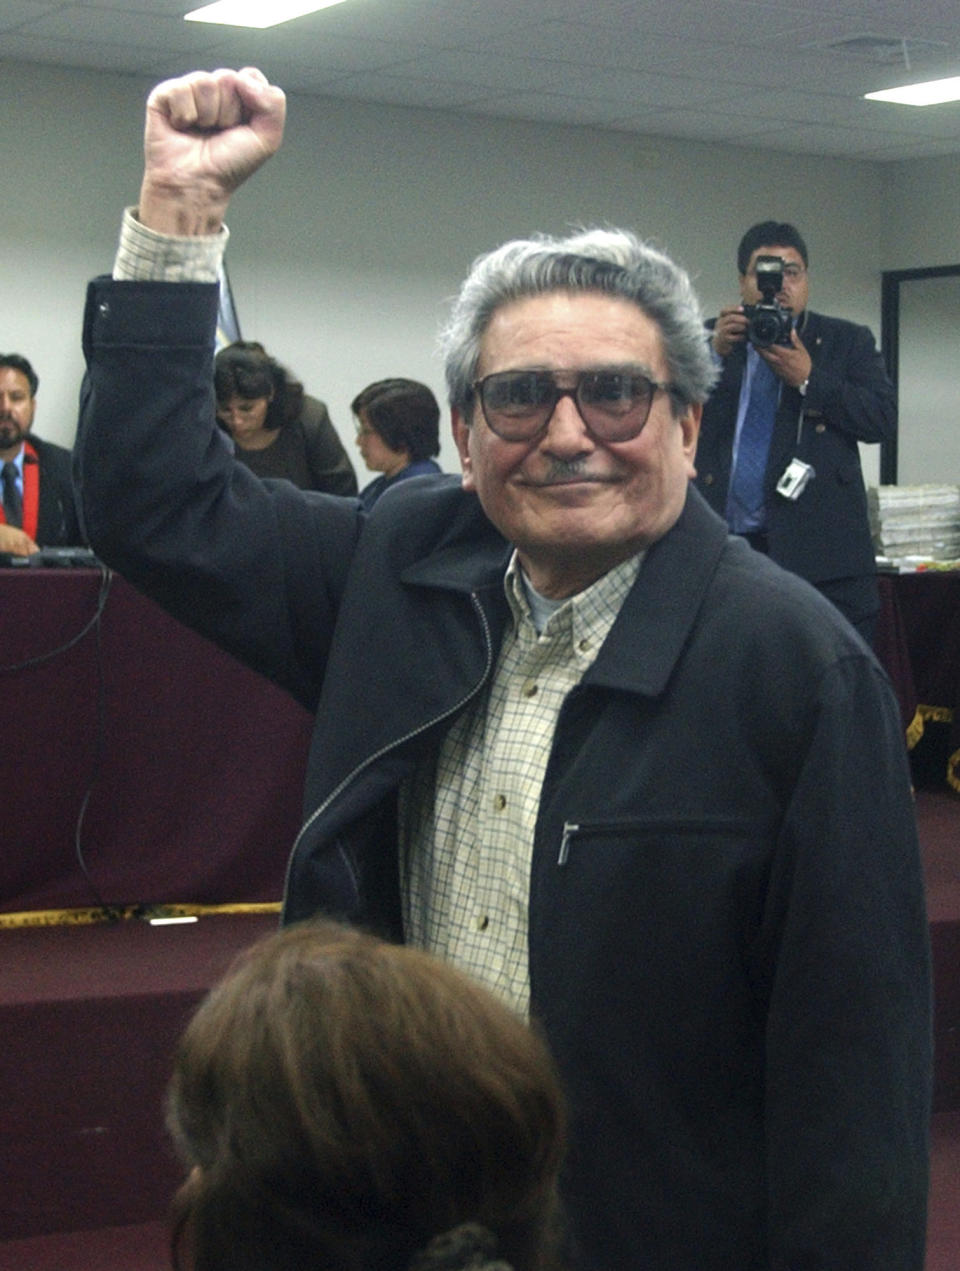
(483, 922)
(584, 645)
(499, 802)
(530, 688)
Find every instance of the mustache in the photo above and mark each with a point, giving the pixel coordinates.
(562, 470)
(565, 469)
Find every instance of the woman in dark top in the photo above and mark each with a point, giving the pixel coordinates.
(398, 430)
(277, 430)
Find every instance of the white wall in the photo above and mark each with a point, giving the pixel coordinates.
(923, 199)
(347, 247)
(929, 421)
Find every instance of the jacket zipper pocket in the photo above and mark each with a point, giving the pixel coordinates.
(569, 829)
(573, 828)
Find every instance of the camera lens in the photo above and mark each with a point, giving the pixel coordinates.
(764, 329)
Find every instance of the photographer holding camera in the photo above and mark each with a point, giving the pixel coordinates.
(778, 454)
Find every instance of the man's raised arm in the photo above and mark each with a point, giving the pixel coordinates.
(205, 133)
(254, 565)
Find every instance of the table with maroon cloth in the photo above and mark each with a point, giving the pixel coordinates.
(178, 771)
(918, 641)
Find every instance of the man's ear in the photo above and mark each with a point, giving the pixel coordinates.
(690, 428)
(462, 433)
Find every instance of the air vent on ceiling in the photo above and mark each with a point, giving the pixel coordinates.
(884, 50)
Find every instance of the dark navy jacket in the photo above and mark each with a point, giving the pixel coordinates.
(727, 945)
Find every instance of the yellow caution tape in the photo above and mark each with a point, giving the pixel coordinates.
(126, 913)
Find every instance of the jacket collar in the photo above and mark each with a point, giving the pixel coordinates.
(472, 555)
(653, 626)
(647, 638)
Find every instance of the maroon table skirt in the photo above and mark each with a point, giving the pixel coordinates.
(918, 641)
(141, 764)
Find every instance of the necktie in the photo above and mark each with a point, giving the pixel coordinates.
(745, 498)
(12, 503)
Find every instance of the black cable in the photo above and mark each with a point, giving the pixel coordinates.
(110, 912)
(106, 578)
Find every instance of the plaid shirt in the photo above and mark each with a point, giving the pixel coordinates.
(467, 821)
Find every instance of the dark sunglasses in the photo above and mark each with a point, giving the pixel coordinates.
(613, 403)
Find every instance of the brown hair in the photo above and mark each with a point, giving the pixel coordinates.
(404, 412)
(341, 1101)
(245, 369)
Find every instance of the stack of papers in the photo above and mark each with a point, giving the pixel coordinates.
(915, 524)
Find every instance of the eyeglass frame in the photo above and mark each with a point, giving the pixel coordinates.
(477, 392)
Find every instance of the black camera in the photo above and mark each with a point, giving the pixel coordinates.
(769, 322)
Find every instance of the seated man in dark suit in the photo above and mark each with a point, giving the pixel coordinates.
(38, 506)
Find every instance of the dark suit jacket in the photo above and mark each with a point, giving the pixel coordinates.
(825, 534)
(726, 932)
(57, 524)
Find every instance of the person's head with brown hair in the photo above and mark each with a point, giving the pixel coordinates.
(255, 394)
(350, 1105)
(403, 413)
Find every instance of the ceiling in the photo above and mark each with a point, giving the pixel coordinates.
(780, 76)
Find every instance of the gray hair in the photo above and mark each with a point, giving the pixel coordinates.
(611, 261)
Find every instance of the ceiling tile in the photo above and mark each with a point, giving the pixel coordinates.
(744, 72)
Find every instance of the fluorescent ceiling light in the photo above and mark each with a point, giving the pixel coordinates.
(932, 93)
(256, 13)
